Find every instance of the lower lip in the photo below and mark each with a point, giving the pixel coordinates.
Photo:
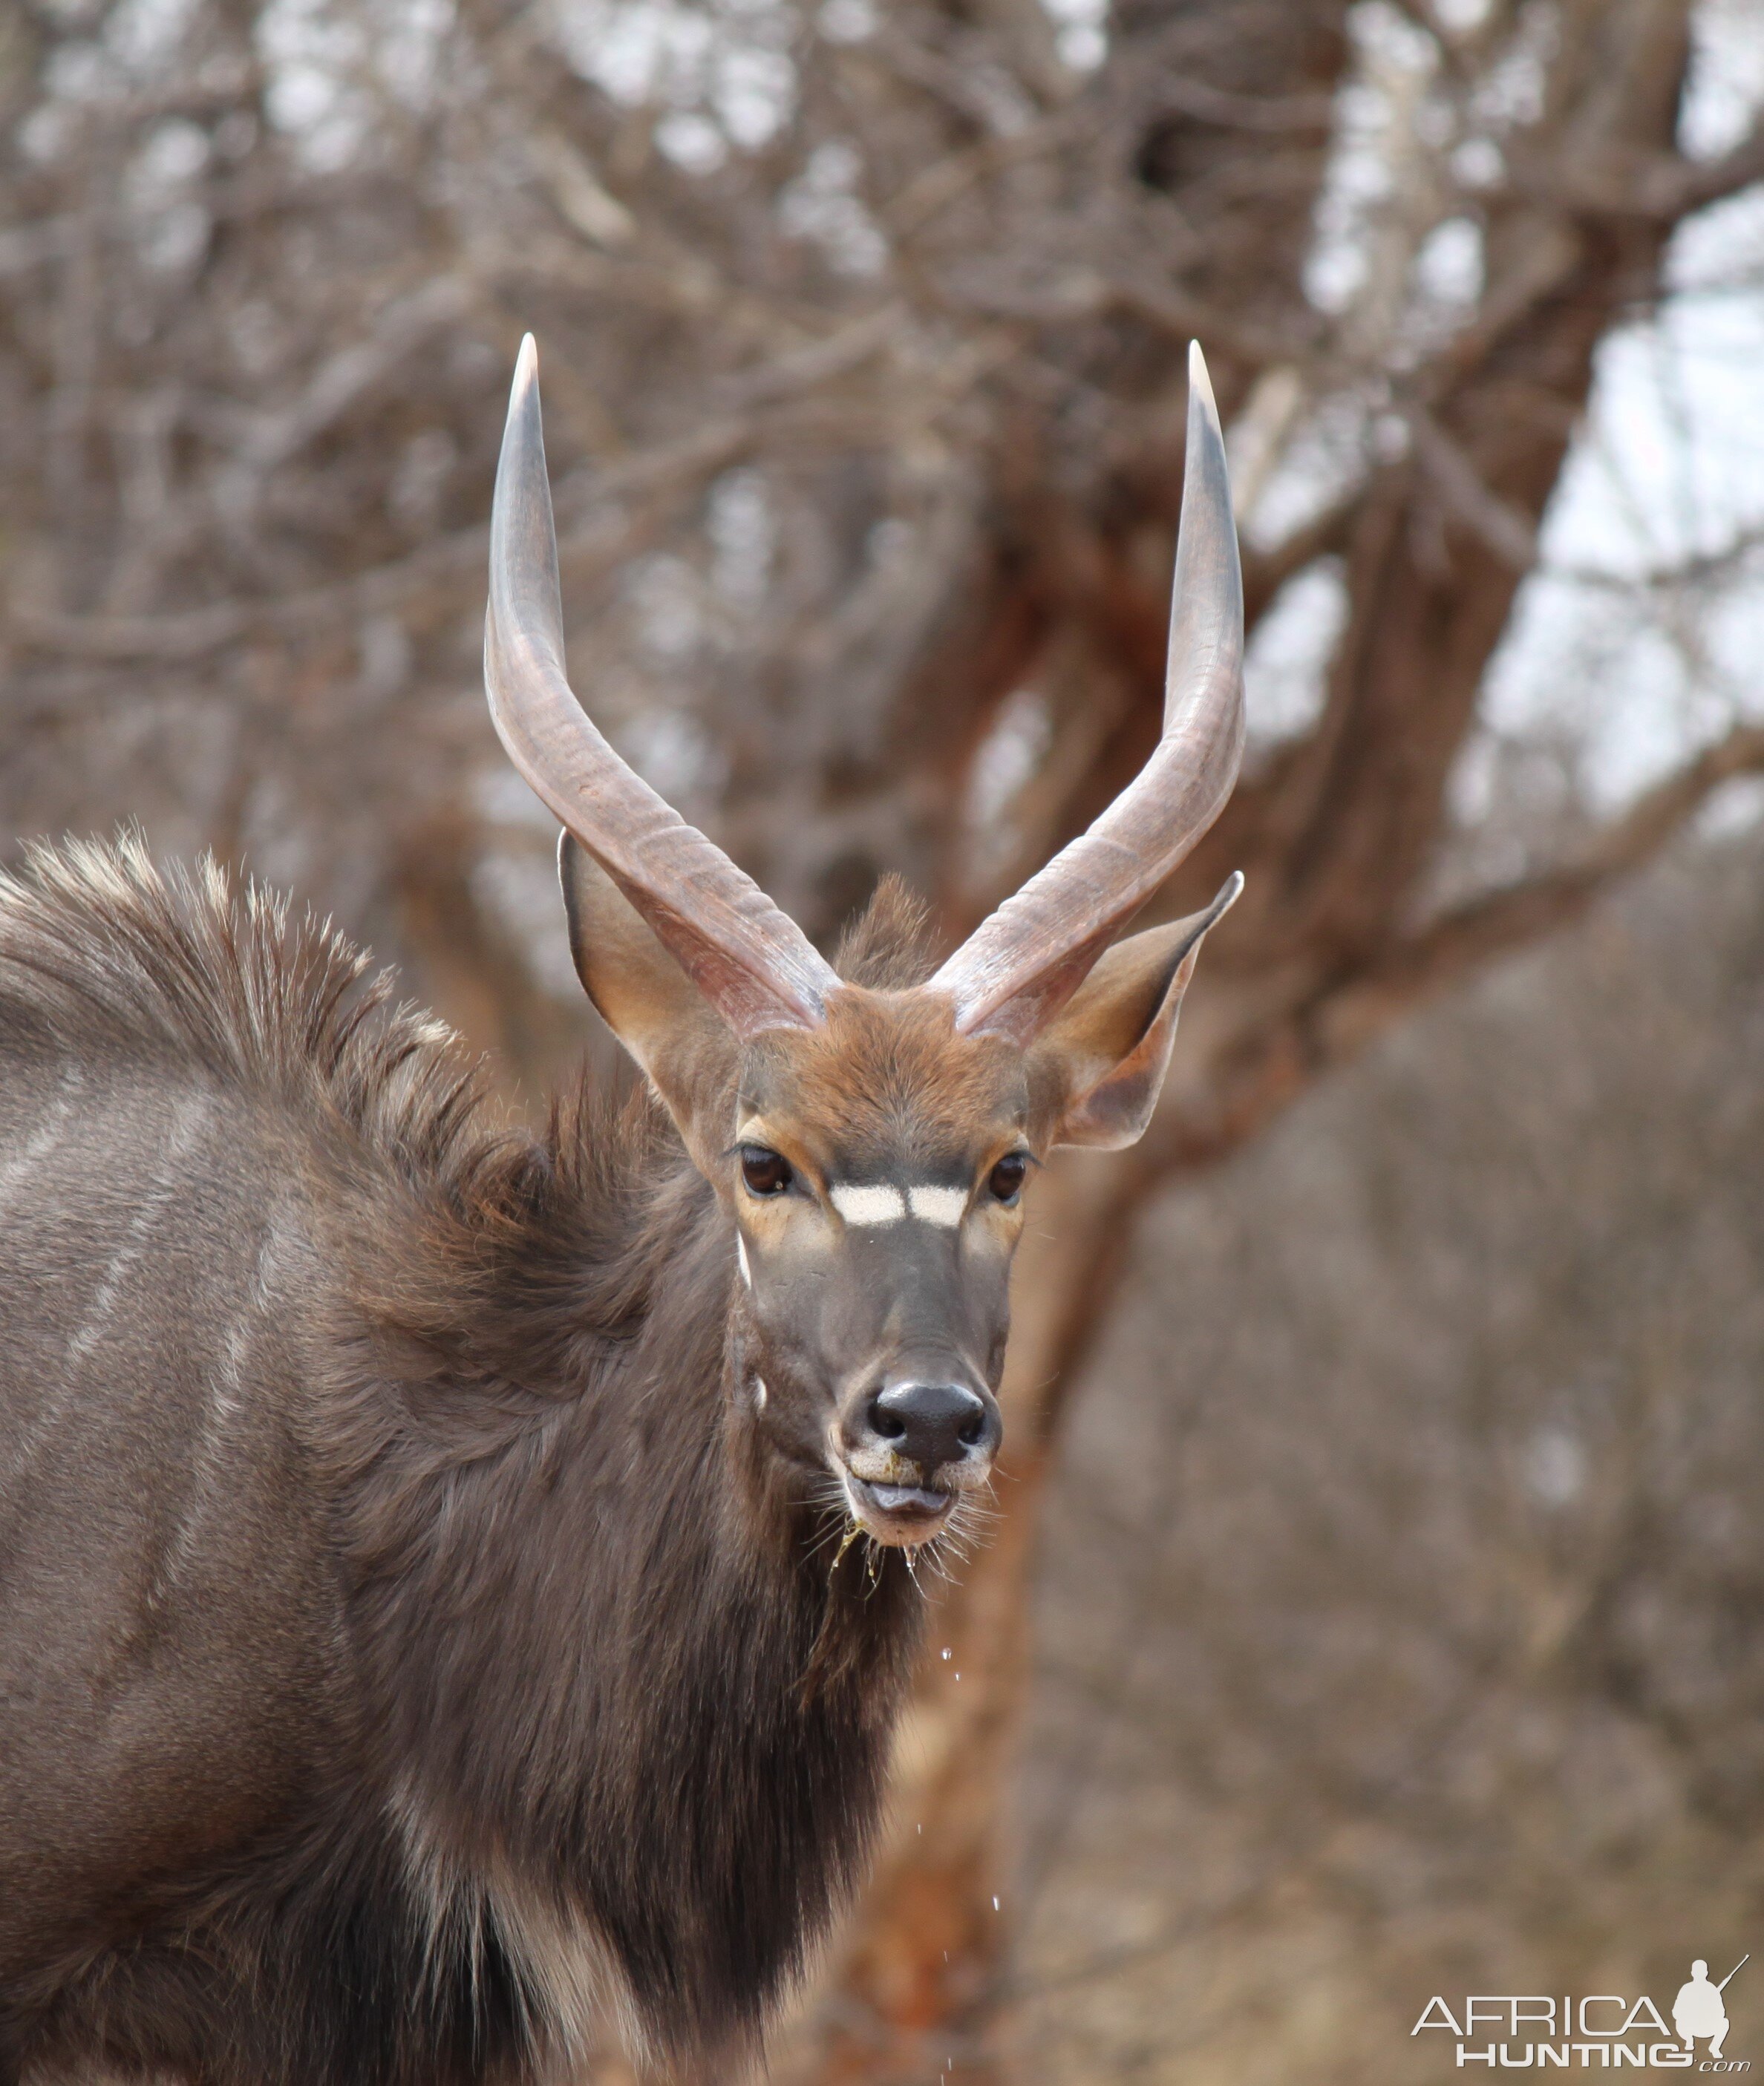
(903, 1506)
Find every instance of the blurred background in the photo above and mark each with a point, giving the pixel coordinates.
(1373, 1607)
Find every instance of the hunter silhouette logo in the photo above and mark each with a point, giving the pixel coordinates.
(1542, 2030)
(1699, 2009)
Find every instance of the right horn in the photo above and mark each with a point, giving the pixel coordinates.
(1016, 971)
(751, 961)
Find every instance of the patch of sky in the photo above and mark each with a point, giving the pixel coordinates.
(1448, 263)
(327, 65)
(1446, 280)
(674, 754)
(663, 595)
(1009, 757)
(744, 537)
(1393, 58)
(145, 37)
(848, 21)
(1394, 92)
(1670, 466)
(411, 36)
(1554, 1467)
(692, 140)
(1356, 182)
(80, 74)
(1461, 18)
(1477, 163)
(753, 90)
(1080, 31)
(1667, 470)
(175, 152)
(1667, 473)
(1286, 664)
(45, 132)
(1605, 677)
(1326, 457)
(1509, 95)
(312, 56)
(720, 76)
(170, 227)
(1726, 87)
(1719, 252)
(1734, 808)
(821, 207)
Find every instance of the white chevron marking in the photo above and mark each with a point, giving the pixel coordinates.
(870, 1205)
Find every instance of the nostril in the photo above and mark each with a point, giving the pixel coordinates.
(933, 1424)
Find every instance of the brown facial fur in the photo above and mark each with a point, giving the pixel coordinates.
(884, 1101)
(882, 1263)
(885, 1088)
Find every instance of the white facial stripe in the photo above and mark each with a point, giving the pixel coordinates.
(741, 1260)
(870, 1205)
(883, 1205)
(759, 1394)
(938, 1206)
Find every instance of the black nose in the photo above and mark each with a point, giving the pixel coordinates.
(932, 1423)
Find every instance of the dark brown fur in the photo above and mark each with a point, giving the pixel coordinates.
(397, 1612)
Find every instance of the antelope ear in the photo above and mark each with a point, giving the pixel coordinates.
(1108, 1049)
(689, 1053)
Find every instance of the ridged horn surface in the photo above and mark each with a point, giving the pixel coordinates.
(750, 959)
(1021, 964)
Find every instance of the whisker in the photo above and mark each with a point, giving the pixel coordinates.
(822, 1541)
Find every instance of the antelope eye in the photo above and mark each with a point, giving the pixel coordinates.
(766, 1173)
(1006, 1179)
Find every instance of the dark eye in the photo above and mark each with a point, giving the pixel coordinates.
(766, 1173)
(1006, 1179)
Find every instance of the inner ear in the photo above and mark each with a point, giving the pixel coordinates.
(687, 1051)
(1107, 1050)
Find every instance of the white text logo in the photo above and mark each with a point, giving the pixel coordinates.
(1515, 2031)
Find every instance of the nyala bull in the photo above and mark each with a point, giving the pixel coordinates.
(432, 1632)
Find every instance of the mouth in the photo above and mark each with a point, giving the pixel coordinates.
(901, 1515)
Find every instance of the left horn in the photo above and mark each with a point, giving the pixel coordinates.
(1018, 967)
(751, 961)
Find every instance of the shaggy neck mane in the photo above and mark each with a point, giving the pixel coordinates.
(623, 1675)
(624, 1697)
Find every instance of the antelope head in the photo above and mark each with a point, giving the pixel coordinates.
(873, 1147)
